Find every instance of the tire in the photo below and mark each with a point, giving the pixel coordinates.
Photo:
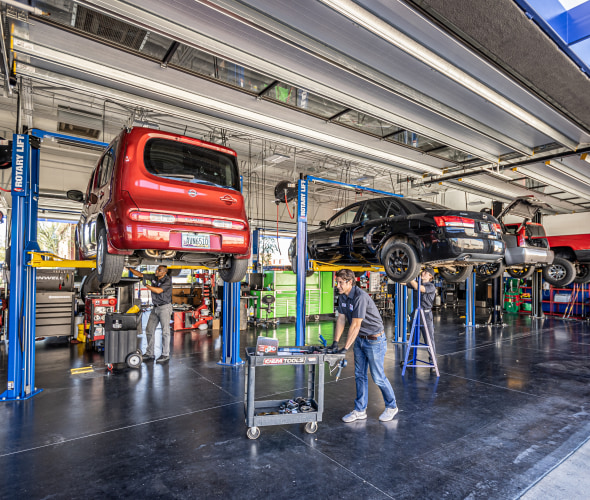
(109, 267)
(523, 273)
(134, 360)
(253, 432)
(89, 284)
(311, 427)
(583, 274)
(459, 275)
(400, 261)
(293, 259)
(490, 271)
(236, 272)
(561, 273)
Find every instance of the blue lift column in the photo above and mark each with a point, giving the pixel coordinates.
(230, 349)
(470, 301)
(401, 314)
(302, 195)
(21, 312)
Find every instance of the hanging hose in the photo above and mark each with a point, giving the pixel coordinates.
(287, 203)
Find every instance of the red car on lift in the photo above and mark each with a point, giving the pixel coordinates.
(161, 198)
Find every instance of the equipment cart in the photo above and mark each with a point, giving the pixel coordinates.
(269, 412)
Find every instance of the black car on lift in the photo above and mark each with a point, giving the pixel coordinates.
(402, 234)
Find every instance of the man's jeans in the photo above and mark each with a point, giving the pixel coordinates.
(162, 315)
(371, 354)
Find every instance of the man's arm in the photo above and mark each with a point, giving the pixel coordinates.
(340, 323)
(135, 273)
(414, 285)
(353, 331)
(154, 289)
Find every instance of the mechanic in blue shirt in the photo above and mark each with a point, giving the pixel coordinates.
(161, 288)
(370, 344)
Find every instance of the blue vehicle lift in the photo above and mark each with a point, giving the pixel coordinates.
(23, 285)
(470, 301)
(302, 260)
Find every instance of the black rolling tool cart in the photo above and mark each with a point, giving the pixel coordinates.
(121, 342)
(300, 410)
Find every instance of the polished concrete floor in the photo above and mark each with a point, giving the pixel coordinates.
(509, 406)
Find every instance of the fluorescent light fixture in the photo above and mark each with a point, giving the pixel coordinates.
(585, 157)
(551, 182)
(570, 172)
(362, 17)
(277, 158)
(495, 173)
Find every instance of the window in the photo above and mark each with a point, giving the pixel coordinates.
(190, 163)
(106, 168)
(375, 209)
(345, 217)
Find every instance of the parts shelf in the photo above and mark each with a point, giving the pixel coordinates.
(315, 370)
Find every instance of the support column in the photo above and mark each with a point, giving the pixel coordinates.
(302, 195)
(470, 301)
(230, 348)
(496, 315)
(537, 295)
(21, 312)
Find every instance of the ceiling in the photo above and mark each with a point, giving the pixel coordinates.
(416, 97)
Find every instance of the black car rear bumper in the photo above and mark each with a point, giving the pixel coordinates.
(467, 250)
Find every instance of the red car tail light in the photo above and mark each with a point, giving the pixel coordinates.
(521, 237)
(497, 228)
(152, 217)
(454, 221)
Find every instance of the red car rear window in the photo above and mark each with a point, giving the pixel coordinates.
(189, 163)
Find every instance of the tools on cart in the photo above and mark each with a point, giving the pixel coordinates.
(308, 409)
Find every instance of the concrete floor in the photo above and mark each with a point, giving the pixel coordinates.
(508, 416)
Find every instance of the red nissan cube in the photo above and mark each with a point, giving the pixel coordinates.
(161, 198)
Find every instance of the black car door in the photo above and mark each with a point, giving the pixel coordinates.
(370, 229)
(332, 243)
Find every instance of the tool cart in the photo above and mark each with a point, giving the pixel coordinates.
(306, 410)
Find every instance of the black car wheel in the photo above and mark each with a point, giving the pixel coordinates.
(235, 272)
(109, 267)
(583, 273)
(561, 273)
(522, 274)
(400, 261)
(490, 271)
(293, 259)
(456, 274)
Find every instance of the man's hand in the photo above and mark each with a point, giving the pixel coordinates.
(334, 345)
(344, 350)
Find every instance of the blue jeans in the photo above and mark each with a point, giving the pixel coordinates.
(371, 354)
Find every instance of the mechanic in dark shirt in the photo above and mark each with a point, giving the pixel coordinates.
(370, 344)
(161, 287)
(427, 295)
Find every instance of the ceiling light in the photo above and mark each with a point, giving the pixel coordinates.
(585, 157)
(551, 182)
(276, 158)
(495, 173)
(360, 16)
(570, 172)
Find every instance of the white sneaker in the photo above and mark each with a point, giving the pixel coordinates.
(354, 415)
(388, 414)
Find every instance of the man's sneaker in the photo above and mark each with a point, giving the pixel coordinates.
(148, 357)
(354, 415)
(388, 414)
(163, 359)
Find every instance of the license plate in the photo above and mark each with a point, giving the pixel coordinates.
(195, 240)
(485, 227)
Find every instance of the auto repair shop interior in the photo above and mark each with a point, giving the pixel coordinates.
(255, 148)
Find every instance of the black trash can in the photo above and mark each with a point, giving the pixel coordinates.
(121, 342)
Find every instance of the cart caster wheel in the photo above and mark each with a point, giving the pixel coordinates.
(253, 433)
(110, 367)
(134, 360)
(311, 427)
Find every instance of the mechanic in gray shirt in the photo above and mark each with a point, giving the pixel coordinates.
(161, 287)
(370, 344)
(427, 295)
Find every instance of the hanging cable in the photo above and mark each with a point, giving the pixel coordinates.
(292, 216)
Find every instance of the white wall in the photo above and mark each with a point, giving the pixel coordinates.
(564, 224)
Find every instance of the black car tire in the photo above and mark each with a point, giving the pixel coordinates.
(561, 273)
(293, 259)
(521, 274)
(400, 261)
(459, 275)
(235, 272)
(490, 271)
(583, 274)
(109, 267)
